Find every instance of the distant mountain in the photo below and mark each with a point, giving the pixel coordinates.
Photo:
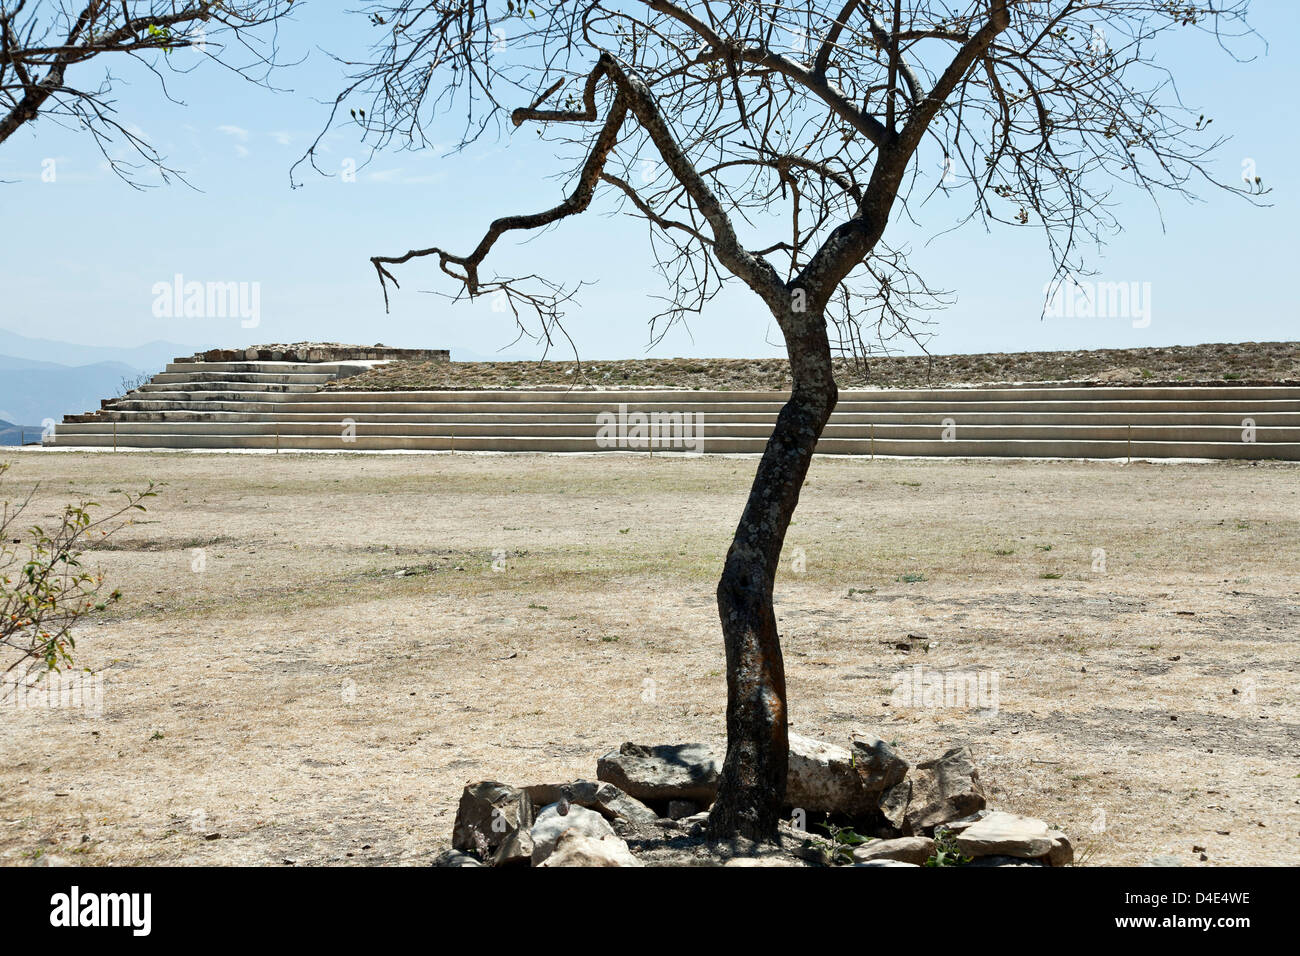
(10, 363)
(150, 356)
(32, 391)
(44, 378)
(11, 434)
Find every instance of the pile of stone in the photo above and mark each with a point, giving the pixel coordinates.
(933, 812)
(318, 352)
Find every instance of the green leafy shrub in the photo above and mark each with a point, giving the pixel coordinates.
(45, 590)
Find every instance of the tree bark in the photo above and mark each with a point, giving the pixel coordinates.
(751, 791)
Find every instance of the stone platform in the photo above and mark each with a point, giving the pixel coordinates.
(283, 404)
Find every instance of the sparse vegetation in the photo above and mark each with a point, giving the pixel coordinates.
(838, 850)
(1270, 363)
(945, 850)
(254, 651)
(131, 383)
(45, 590)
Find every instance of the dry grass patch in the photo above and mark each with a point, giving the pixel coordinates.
(297, 700)
(1236, 363)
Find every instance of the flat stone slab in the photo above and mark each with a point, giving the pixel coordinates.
(915, 850)
(665, 772)
(1008, 834)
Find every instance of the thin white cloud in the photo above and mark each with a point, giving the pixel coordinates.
(238, 132)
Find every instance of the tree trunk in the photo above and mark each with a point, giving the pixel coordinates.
(751, 791)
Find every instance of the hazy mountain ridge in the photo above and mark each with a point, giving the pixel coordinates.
(46, 379)
(35, 394)
(11, 434)
(151, 355)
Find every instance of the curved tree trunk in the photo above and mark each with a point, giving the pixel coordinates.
(751, 790)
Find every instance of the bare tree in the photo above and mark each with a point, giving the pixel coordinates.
(770, 143)
(41, 41)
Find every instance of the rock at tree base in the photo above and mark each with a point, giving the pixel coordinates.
(551, 825)
(915, 850)
(750, 861)
(662, 773)
(1062, 851)
(944, 789)
(605, 798)
(574, 848)
(865, 788)
(957, 826)
(696, 821)
(681, 809)
(516, 849)
(1007, 834)
(859, 783)
(886, 863)
(455, 858)
(877, 764)
(490, 809)
(996, 862)
(893, 804)
(822, 779)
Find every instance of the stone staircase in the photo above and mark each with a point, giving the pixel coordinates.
(285, 405)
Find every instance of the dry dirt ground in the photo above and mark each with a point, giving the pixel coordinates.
(1234, 363)
(294, 701)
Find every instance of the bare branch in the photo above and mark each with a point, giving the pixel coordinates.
(40, 45)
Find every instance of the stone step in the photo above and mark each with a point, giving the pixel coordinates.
(326, 403)
(232, 390)
(269, 368)
(994, 394)
(685, 400)
(1288, 451)
(264, 405)
(292, 414)
(188, 391)
(210, 402)
(709, 429)
(269, 378)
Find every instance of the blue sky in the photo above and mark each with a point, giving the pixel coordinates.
(82, 255)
